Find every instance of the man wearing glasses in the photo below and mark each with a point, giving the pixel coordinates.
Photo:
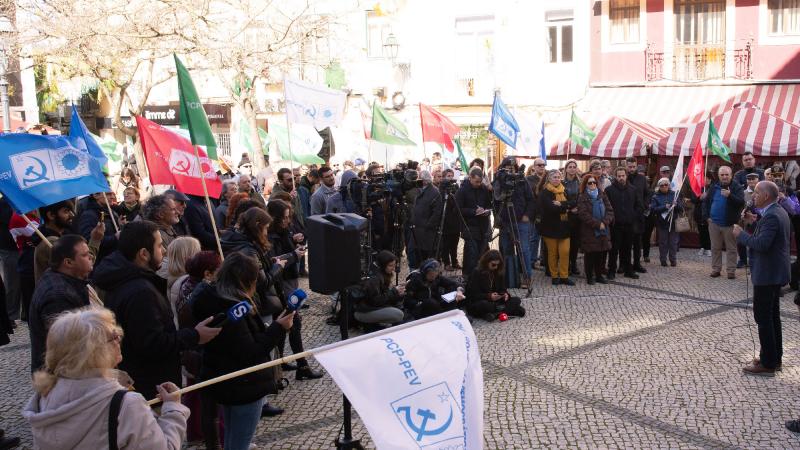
(533, 180)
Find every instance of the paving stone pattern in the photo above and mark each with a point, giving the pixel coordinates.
(648, 363)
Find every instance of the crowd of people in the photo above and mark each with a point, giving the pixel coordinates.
(124, 294)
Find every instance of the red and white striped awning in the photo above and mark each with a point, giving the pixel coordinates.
(617, 137)
(667, 107)
(744, 127)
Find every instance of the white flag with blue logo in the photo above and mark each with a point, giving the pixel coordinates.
(530, 129)
(414, 386)
(41, 170)
(503, 124)
(313, 105)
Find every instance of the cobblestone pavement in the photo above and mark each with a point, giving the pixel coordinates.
(648, 363)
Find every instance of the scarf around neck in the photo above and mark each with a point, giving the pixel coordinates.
(598, 210)
(558, 193)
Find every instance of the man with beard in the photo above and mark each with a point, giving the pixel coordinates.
(162, 211)
(627, 205)
(285, 184)
(58, 219)
(639, 184)
(152, 346)
(325, 190)
(246, 186)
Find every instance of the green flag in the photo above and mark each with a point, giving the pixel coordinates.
(461, 158)
(715, 143)
(306, 143)
(580, 133)
(110, 147)
(193, 116)
(244, 138)
(387, 128)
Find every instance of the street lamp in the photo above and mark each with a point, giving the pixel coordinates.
(391, 46)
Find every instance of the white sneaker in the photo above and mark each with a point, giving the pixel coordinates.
(701, 252)
(708, 253)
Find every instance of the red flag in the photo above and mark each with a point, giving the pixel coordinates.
(171, 160)
(697, 172)
(436, 127)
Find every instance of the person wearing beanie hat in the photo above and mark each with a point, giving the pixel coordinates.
(382, 301)
(425, 289)
(665, 206)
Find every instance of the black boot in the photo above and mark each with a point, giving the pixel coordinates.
(601, 279)
(306, 373)
(270, 411)
(288, 367)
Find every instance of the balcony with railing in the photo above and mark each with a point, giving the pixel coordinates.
(697, 63)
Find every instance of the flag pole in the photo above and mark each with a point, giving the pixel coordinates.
(454, 313)
(289, 137)
(110, 212)
(36, 230)
(422, 132)
(705, 149)
(208, 201)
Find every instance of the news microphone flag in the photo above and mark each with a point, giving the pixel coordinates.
(37, 170)
(313, 105)
(239, 310)
(84, 139)
(503, 124)
(296, 299)
(420, 386)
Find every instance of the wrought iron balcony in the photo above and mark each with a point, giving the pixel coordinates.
(698, 62)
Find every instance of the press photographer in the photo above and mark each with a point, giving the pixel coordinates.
(516, 206)
(425, 218)
(474, 200)
(451, 223)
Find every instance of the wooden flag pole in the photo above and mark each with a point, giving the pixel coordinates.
(111, 213)
(208, 201)
(36, 230)
(312, 352)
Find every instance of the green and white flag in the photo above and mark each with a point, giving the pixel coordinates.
(306, 143)
(111, 148)
(580, 133)
(715, 143)
(193, 116)
(388, 129)
(461, 158)
(245, 138)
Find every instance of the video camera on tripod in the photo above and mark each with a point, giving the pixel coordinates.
(508, 179)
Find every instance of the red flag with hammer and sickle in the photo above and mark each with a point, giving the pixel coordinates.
(171, 160)
(697, 172)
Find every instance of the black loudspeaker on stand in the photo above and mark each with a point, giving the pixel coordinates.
(334, 241)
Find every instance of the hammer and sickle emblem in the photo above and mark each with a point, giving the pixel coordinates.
(311, 111)
(422, 429)
(183, 167)
(41, 175)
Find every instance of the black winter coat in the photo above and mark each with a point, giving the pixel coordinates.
(627, 203)
(55, 293)
(377, 295)
(418, 290)
(426, 216)
(269, 278)
(152, 346)
(199, 222)
(240, 344)
(283, 244)
(551, 224)
(481, 284)
(468, 200)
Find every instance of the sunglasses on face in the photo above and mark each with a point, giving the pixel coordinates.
(541, 165)
(591, 183)
(663, 185)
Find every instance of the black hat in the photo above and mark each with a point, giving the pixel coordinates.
(177, 195)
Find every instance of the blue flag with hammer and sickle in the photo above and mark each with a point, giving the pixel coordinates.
(36, 170)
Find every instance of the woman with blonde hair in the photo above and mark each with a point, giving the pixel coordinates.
(78, 394)
(173, 269)
(554, 226)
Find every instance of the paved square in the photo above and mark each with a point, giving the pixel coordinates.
(648, 363)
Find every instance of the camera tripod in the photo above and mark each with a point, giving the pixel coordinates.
(447, 196)
(516, 244)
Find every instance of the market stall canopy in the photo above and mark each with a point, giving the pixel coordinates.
(617, 137)
(744, 127)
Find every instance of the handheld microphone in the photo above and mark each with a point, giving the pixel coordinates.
(296, 299)
(236, 313)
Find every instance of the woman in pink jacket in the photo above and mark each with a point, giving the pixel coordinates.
(75, 391)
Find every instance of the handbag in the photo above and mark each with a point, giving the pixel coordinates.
(682, 224)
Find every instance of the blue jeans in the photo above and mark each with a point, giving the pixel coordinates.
(240, 423)
(534, 243)
(507, 244)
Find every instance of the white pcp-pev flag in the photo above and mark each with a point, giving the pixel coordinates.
(313, 105)
(419, 385)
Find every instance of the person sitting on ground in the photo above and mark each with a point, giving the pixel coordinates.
(382, 301)
(666, 206)
(240, 344)
(486, 290)
(425, 288)
(75, 391)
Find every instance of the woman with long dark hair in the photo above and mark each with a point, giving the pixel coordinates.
(284, 245)
(240, 344)
(382, 301)
(486, 290)
(595, 215)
